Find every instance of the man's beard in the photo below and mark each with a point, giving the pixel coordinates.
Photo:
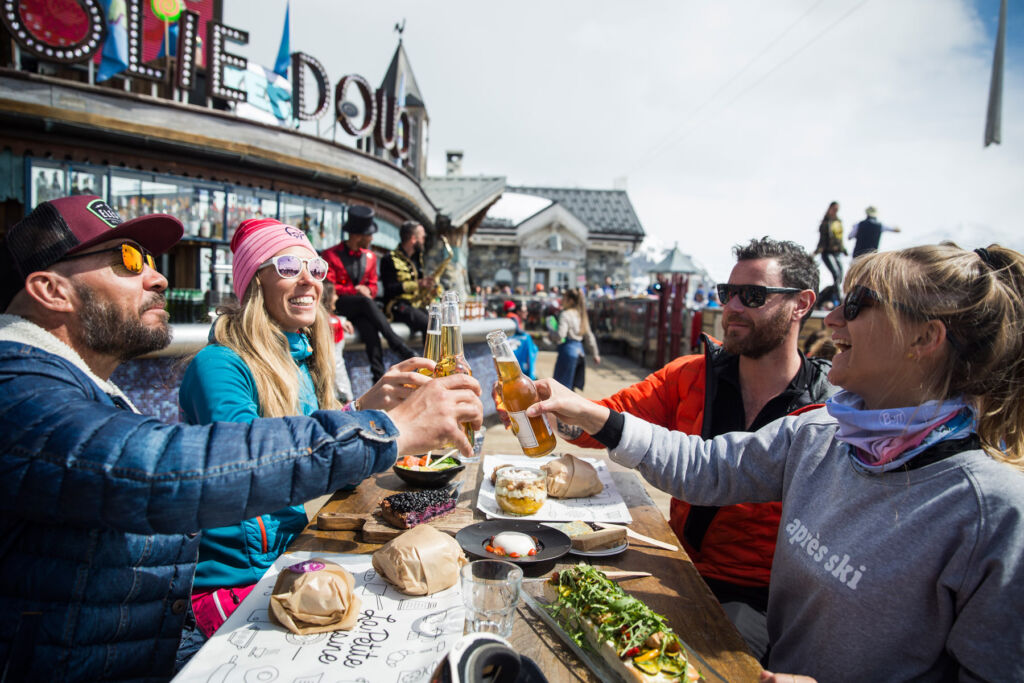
(763, 338)
(107, 329)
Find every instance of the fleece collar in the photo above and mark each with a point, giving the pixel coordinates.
(16, 329)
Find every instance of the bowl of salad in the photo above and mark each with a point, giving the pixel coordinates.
(427, 471)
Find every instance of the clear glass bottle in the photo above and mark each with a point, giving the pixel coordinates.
(432, 339)
(453, 360)
(517, 394)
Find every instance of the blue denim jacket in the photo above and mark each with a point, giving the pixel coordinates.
(100, 509)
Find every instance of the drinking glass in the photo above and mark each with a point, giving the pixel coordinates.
(478, 446)
(490, 591)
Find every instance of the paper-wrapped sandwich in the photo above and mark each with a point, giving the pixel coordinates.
(570, 477)
(313, 597)
(421, 561)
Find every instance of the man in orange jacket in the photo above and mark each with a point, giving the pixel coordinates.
(756, 376)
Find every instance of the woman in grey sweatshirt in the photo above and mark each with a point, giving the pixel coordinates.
(900, 554)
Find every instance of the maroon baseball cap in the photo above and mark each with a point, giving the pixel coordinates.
(69, 225)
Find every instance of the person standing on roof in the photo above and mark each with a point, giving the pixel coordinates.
(868, 233)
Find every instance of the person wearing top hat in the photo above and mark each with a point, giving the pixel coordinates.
(868, 233)
(352, 267)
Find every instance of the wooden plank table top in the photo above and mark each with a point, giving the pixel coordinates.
(674, 588)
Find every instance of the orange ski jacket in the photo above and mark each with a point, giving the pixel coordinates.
(734, 543)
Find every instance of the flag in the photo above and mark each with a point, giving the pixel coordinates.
(115, 48)
(993, 120)
(268, 95)
(285, 51)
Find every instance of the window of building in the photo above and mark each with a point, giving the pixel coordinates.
(244, 204)
(85, 180)
(48, 181)
(334, 216)
(387, 235)
(208, 210)
(125, 194)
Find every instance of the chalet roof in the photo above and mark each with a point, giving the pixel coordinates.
(392, 82)
(461, 197)
(602, 211)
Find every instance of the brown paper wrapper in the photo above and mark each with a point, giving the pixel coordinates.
(314, 597)
(421, 561)
(570, 477)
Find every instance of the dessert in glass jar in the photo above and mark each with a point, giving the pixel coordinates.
(520, 490)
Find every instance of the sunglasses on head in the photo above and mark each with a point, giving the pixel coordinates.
(751, 296)
(290, 267)
(133, 256)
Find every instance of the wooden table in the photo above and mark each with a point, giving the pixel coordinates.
(675, 589)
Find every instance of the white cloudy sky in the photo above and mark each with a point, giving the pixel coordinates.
(729, 120)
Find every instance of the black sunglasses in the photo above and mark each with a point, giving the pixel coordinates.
(861, 297)
(751, 296)
(132, 256)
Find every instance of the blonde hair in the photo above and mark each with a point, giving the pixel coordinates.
(979, 297)
(574, 300)
(249, 331)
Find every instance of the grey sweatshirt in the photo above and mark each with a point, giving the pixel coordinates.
(907, 575)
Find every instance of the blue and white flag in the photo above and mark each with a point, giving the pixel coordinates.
(284, 52)
(269, 95)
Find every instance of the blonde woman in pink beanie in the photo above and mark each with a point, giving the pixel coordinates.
(272, 355)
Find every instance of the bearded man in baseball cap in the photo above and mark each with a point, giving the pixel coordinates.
(100, 507)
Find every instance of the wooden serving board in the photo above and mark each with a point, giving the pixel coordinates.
(376, 530)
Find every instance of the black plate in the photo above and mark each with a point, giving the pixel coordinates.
(551, 543)
(429, 480)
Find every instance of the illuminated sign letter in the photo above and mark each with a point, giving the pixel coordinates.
(135, 65)
(73, 36)
(369, 109)
(188, 33)
(403, 135)
(384, 132)
(216, 59)
(300, 59)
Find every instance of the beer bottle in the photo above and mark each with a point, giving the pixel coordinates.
(452, 362)
(517, 394)
(432, 343)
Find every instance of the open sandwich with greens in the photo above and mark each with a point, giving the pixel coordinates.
(626, 633)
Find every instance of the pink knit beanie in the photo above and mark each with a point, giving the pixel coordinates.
(255, 241)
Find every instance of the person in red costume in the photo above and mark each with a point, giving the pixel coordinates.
(754, 377)
(353, 270)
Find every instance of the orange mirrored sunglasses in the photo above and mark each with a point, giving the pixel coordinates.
(132, 256)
